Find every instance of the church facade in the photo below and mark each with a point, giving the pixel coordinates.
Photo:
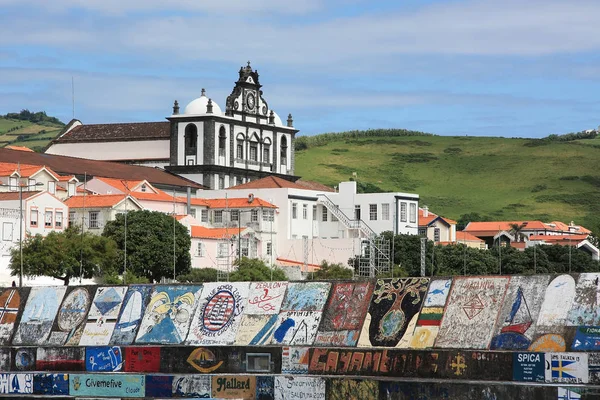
(218, 149)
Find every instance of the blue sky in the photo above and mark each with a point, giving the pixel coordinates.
(507, 68)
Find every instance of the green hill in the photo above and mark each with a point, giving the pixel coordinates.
(32, 130)
(557, 178)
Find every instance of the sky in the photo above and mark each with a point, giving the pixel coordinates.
(508, 68)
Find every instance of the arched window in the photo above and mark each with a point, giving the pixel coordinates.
(222, 141)
(266, 151)
(191, 139)
(283, 150)
(239, 146)
(254, 147)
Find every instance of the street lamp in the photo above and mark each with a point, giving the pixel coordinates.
(21, 222)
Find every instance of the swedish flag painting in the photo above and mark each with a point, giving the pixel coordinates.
(567, 368)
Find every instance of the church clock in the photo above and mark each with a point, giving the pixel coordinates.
(250, 101)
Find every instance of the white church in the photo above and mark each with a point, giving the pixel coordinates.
(204, 144)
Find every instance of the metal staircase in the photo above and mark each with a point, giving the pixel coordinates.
(375, 250)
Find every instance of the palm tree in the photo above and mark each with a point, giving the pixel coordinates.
(516, 230)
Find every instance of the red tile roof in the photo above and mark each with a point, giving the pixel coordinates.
(284, 262)
(497, 226)
(116, 132)
(466, 237)
(269, 182)
(95, 201)
(66, 178)
(426, 220)
(238, 203)
(78, 166)
(558, 238)
(312, 185)
(160, 196)
(19, 148)
(122, 185)
(15, 195)
(518, 245)
(202, 232)
(25, 170)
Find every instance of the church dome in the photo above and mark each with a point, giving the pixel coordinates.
(199, 106)
(277, 119)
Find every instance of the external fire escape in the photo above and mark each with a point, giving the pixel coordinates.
(375, 250)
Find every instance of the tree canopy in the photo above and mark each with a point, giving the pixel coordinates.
(62, 255)
(331, 271)
(255, 270)
(150, 244)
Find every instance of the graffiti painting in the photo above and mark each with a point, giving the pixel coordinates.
(430, 318)
(299, 387)
(584, 311)
(306, 296)
(38, 315)
(394, 304)
(16, 383)
(51, 384)
(103, 359)
(557, 301)
(295, 360)
(191, 386)
(296, 328)
(265, 297)
(219, 313)
(10, 304)
(265, 388)
(516, 322)
(471, 312)
(5, 359)
(344, 314)
(169, 314)
(68, 325)
(130, 316)
(102, 316)
(24, 358)
(255, 329)
(352, 389)
(60, 359)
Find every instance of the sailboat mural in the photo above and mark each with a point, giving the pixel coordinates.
(516, 323)
(131, 315)
(38, 315)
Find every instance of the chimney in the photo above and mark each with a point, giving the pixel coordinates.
(425, 211)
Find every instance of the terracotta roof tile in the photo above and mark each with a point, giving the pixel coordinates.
(160, 196)
(78, 166)
(467, 237)
(284, 262)
(95, 201)
(15, 195)
(424, 221)
(269, 182)
(558, 238)
(116, 132)
(202, 232)
(497, 226)
(122, 185)
(66, 178)
(19, 148)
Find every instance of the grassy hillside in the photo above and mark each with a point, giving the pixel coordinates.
(498, 178)
(22, 132)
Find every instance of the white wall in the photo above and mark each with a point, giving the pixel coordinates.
(130, 150)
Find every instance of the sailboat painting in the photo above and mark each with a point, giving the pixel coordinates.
(516, 322)
(38, 315)
(131, 314)
(102, 317)
(219, 314)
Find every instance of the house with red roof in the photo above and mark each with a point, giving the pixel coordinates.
(436, 228)
(219, 247)
(94, 211)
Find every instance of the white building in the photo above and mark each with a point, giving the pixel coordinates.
(94, 211)
(42, 213)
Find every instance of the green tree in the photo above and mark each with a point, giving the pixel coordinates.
(199, 275)
(331, 271)
(62, 255)
(150, 244)
(255, 270)
(516, 230)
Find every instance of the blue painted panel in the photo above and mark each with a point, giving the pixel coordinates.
(103, 359)
(51, 384)
(131, 314)
(107, 385)
(587, 338)
(529, 367)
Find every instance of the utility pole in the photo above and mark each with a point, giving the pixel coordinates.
(21, 222)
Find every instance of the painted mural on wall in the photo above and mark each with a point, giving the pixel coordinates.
(550, 328)
(191, 386)
(10, 305)
(5, 359)
(394, 304)
(103, 359)
(294, 360)
(51, 384)
(471, 312)
(256, 329)
(344, 314)
(38, 315)
(567, 368)
(102, 316)
(107, 385)
(352, 389)
(60, 359)
(23, 358)
(218, 314)
(516, 323)
(299, 387)
(142, 359)
(169, 314)
(16, 383)
(584, 310)
(233, 387)
(130, 316)
(301, 313)
(68, 325)
(430, 318)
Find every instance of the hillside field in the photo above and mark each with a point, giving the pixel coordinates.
(25, 133)
(499, 178)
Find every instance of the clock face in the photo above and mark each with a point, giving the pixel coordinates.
(250, 101)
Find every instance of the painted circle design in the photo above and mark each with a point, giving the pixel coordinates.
(73, 309)
(218, 311)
